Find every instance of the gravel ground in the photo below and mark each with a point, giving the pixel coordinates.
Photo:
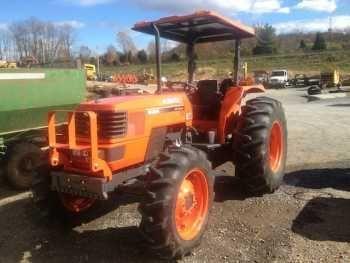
(307, 220)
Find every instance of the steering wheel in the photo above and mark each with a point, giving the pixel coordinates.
(187, 86)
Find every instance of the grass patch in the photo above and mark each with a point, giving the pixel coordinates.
(307, 63)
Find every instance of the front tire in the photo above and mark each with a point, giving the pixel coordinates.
(179, 197)
(52, 204)
(261, 145)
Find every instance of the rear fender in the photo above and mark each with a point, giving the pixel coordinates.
(253, 89)
(231, 107)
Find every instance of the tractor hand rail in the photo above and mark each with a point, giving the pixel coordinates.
(96, 164)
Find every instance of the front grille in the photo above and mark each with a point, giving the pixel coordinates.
(110, 125)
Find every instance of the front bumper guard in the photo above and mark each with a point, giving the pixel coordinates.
(79, 185)
(92, 187)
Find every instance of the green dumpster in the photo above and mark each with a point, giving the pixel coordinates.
(26, 96)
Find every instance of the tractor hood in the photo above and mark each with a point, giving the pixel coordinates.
(137, 103)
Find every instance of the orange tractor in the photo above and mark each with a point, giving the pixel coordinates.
(169, 142)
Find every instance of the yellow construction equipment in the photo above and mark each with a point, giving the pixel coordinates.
(8, 64)
(330, 78)
(90, 70)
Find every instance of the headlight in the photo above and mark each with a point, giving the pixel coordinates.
(80, 156)
(80, 153)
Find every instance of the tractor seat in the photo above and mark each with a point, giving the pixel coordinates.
(207, 100)
(225, 85)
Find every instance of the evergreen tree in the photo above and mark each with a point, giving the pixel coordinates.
(111, 56)
(130, 57)
(320, 43)
(123, 58)
(175, 57)
(302, 44)
(265, 40)
(142, 56)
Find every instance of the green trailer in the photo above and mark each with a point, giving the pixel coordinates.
(26, 96)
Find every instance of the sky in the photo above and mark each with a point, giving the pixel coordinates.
(97, 21)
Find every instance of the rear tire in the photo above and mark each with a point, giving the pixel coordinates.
(23, 160)
(174, 220)
(261, 145)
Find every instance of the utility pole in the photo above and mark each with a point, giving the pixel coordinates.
(98, 65)
(330, 29)
(237, 61)
(98, 62)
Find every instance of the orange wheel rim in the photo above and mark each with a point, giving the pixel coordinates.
(192, 205)
(76, 204)
(276, 146)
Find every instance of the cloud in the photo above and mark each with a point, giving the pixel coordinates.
(226, 6)
(284, 10)
(87, 3)
(318, 5)
(3, 26)
(107, 24)
(268, 6)
(339, 23)
(73, 23)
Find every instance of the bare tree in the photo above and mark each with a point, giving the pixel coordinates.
(68, 38)
(151, 50)
(85, 53)
(126, 43)
(165, 46)
(7, 46)
(43, 41)
(111, 55)
(19, 34)
(53, 42)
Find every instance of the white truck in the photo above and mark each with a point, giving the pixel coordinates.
(279, 79)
